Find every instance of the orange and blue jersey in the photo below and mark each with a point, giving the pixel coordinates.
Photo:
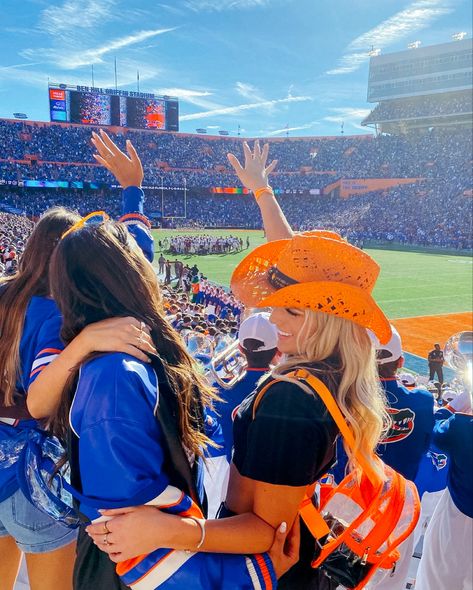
(137, 223)
(121, 463)
(39, 345)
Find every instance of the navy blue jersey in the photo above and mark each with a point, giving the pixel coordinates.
(433, 470)
(453, 434)
(408, 438)
(412, 421)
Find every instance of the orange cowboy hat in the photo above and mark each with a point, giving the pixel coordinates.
(315, 270)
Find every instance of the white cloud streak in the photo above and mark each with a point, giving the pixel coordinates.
(290, 129)
(94, 55)
(222, 5)
(74, 15)
(73, 58)
(195, 97)
(415, 17)
(351, 116)
(243, 107)
(249, 91)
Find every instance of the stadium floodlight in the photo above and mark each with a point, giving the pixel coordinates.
(20, 115)
(374, 52)
(201, 130)
(459, 36)
(223, 132)
(414, 45)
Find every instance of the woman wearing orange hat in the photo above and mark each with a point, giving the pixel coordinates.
(319, 288)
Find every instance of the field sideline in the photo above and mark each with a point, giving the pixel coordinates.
(428, 296)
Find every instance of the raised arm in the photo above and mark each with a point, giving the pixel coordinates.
(128, 171)
(254, 175)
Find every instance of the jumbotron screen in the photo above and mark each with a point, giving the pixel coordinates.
(96, 106)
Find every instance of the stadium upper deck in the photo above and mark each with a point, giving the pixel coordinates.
(422, 87)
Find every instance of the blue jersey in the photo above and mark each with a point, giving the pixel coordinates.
(408, 437)
(137, 224)
(433, 471)
(232, 399)
(453, 434)
(121, 464)
(39, 345)
(410, 432)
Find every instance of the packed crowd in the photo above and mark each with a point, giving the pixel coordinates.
(432, 213)
(14, 231)
(171, 159)
(202, 244)
(448, 104)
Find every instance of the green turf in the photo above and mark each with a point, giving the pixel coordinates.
(410, 284)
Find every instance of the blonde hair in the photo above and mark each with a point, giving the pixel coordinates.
(359, 395)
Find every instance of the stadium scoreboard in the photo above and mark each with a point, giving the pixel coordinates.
(87, 105)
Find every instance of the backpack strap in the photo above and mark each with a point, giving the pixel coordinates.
(312, 518)
(323, 392)
(309, 513)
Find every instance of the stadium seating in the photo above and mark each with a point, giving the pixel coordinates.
(434, 211)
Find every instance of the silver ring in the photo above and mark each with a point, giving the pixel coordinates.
(105, 540)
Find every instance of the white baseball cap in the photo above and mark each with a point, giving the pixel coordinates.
(258, 327)
(407, 379)
(393, 347)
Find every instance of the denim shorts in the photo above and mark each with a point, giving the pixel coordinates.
(33, 531)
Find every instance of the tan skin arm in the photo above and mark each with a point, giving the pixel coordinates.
(261, 508)
(254, 175)
(125, 335)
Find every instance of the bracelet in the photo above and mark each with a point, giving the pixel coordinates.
(260, 191)
(201, 523)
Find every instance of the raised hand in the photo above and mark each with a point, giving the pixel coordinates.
(127, 169)
(254, 175)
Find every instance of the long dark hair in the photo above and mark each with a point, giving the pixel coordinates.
(98, 272)
(16, 292)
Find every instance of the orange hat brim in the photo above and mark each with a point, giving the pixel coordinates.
(344, 301)
(249, 282)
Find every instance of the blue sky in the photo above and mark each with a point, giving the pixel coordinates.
(260, 64)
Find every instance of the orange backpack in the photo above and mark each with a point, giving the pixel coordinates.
(361, 522)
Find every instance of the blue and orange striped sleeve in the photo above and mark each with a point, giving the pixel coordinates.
(136, 221)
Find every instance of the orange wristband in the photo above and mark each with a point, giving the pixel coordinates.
(260, 191)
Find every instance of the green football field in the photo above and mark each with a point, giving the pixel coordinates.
(410, 284)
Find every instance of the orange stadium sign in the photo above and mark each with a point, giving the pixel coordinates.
(359, 186)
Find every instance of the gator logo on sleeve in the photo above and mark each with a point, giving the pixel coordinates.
(439, 460)
(402, 425)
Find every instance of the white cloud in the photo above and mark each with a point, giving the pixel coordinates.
(290, 129)
(249, 91)
(243, 107)
(348, 115)
(221, 5)
(73, 15)
(195, 97)
(415, 17)
(73, 58)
